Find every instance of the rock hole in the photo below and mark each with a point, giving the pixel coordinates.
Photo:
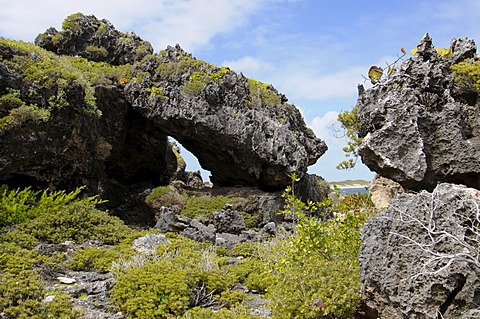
(191, 161)
(460, 282)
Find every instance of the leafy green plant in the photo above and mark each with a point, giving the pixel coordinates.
(20, 205)
(316, 273)
(262, 93)
(71, 23)
(157, 92)
(58, 73)
(77, 222)
(22, 291)
(350, 124)
(179, 276)
(19, 111)
(202, 207)
(467, 73)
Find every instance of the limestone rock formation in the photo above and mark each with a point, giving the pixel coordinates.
(420, 257)
(241, 130)
(60, 131)
(420, 127)
(107, 127)
(95, 40)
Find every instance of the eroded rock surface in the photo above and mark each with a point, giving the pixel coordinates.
(241, 130)
(419, 258)
(93, 39)
(420, 127)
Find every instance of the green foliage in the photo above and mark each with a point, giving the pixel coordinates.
(262, 93)
(158, 192)
(22, 291)
(165, 284)
(101, 259)
(58, 73)
(202, 207)
(238, 312)
(94, 52)
(19, 111)
(17, 206)
(77, 222)
(172, 69)
(166, 196)
(319, 264)
(193, 88)
(467, 73)
(71, 23)
(350, 123)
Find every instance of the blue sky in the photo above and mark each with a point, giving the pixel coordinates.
(313, 51)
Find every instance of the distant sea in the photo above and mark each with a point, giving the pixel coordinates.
(348, 191)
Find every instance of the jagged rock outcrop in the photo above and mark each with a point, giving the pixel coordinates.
(419, 126)
(241, 130)
(53, 137)
(107, 128)
(95, 40)
(420, 257)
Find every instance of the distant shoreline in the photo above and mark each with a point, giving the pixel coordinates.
(350, 186)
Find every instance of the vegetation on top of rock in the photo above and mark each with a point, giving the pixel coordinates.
(44, 70)
(18, 111)
(467, 73)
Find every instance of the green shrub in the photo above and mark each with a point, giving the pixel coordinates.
(193, 88)
(320, 261)
(22, 291)
(180, 276)
(238, 312)
(71, 23)
(58, 73)
(19, 238)
(262, 93)
(202, 207)
(94, 52)
(19, 205)
(102, 259)
(19, 111)
(350, 124)
(77, 222)
(467, 73)
(165, 196)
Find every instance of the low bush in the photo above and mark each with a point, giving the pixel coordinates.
(316, 273)
(202, 207)
(77, 222)
(19, 205)
(165, 196)
(179, 276)
(21, 290)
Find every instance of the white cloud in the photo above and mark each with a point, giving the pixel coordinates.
(323, 125)
(249, 65)
(313, 86)
(192, 23)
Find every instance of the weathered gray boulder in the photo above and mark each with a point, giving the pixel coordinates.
(228, 220)
(93, 39)
(149, 242)
(421, 127)
(241, 130)
(199, 232)
(420, 257)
